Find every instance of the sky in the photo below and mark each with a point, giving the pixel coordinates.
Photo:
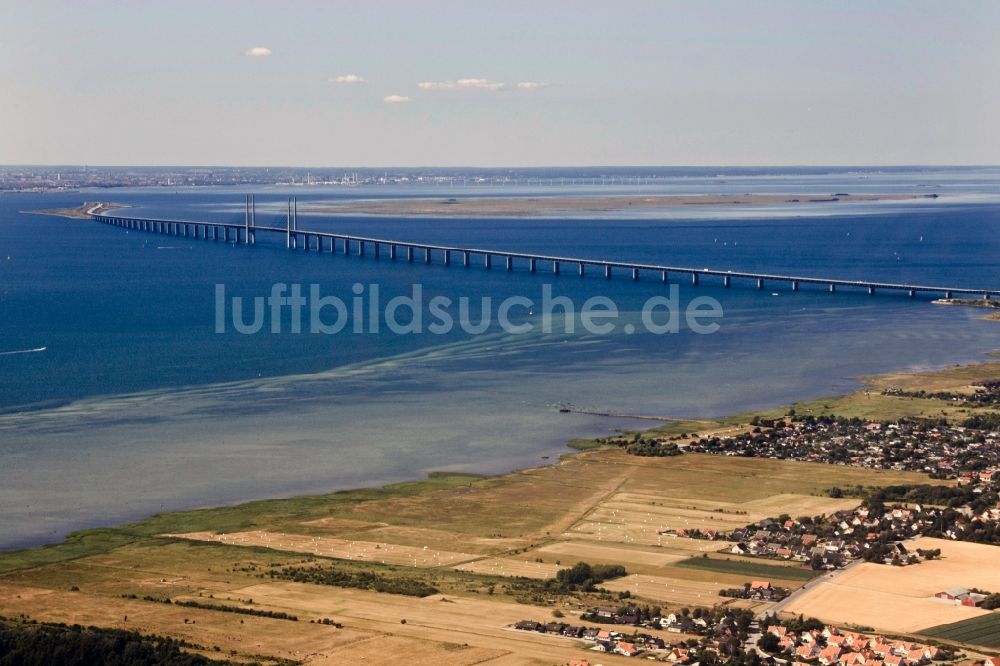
(541, 83)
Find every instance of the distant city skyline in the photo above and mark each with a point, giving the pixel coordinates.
(519, 84)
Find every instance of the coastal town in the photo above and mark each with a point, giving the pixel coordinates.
(965, 452)
(734, 639)
(874, 532)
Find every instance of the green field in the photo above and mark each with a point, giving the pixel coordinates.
(983, 630)
(751, 569)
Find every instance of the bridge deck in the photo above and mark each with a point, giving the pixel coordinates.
(795, 280)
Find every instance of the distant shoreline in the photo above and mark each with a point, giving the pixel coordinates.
(81, 212)
(528, 206)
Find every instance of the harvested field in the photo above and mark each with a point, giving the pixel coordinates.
(510, 567)
(366, 551)
(576, 551)
(675, 591)
(901, 599)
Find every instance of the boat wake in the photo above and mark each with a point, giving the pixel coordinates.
(23, 351)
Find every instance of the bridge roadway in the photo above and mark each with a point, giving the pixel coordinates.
(315, 240)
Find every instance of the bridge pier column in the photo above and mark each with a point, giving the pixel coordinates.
(237, 230)
(760, 283)
(465, 259)
(376, 251)
(225, 234)
(727, 280)
(581, 269)
(913, 293)
(510, 262)
(427, 255)
(215, 233)
(635, 274)
(795, 285)
(607, 271)
(447, 257)
(947, 294)
(663, 277)
(871, 291)
(409, 253)
(833, 287)
(392, 252)
(694, 279)
(319, 244)
(187, 231)
(487, 261)
(347, 246)
(361, 248)
(531, 265)
(555, 268)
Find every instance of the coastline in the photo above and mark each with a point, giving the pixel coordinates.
(81, 212)
(99, 538)
(532, 206)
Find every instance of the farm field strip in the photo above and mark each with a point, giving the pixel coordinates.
(504, 566)
(366, 551)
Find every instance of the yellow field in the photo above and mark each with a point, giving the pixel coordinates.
(459, 631)
(600, 506)
(509, 566)
(901, 598)
(675, 590)
(365, 551)
(575, 551)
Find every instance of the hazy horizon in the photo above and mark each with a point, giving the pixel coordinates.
(519, 85)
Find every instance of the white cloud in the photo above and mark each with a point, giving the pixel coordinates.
(349, 78)
(258, 52)
(461, 84)
(396, 99)
(532, 85)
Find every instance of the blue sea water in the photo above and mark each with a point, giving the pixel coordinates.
(137, 404)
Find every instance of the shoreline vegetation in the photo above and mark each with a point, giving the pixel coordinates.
(865, 403)
(983, 303)
(530, 206)
(445, 568)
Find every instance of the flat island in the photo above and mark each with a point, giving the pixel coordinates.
(528, 206)
(81, 212)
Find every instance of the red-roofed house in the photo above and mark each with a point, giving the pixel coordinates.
(805, 651)
(830, 655)
(627, 649)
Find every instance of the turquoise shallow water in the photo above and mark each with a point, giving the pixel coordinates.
(137, 405)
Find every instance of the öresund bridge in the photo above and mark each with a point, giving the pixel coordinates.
(334, 243)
